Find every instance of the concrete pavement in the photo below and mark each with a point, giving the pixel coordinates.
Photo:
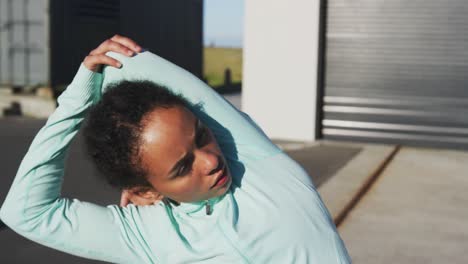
(342, 191)
(416, 212)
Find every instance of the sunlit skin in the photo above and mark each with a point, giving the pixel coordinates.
(168, 136)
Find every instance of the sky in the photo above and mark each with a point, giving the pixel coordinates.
(223, 23)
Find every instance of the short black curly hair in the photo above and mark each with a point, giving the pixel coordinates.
(113, 127)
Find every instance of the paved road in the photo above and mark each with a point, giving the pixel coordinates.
(82, 182)
(415, 213)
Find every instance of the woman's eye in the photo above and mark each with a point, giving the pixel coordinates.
(184, 170)
(203, 137)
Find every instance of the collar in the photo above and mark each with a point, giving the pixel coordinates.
(205, 207)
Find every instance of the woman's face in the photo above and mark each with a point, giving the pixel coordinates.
(182, 157)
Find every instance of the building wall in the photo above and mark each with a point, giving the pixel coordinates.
(280, 66)
(59, 34)
(24, 50)
(171, 29)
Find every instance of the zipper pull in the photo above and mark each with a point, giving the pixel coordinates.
(208, 207)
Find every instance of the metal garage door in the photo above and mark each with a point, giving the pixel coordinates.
(397, 72)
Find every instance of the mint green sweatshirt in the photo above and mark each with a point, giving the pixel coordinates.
(271, 214)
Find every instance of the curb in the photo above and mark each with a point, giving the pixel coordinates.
(344, 190)
(32, 106)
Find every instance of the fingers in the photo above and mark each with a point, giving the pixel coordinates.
(128, 197)
(110, 45)
(137, 200)
(117, 43)
(124, 199)
(127, 42)
(92, 62)
(158, 198)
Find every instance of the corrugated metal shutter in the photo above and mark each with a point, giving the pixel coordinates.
(397, 72)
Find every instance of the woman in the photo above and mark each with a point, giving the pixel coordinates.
(228, 194)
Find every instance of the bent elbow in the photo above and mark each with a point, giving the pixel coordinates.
(19, 219)
(9, 217)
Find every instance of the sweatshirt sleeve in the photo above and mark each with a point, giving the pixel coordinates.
(33, 207)
(237, 134)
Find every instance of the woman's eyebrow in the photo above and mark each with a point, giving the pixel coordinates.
(181, 161)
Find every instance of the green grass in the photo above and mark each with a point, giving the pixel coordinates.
(217, 60)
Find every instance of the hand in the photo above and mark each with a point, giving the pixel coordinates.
(120, 44)
(137, 199)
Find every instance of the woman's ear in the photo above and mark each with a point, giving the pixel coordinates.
(140, 196)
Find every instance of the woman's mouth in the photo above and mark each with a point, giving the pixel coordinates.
(222, 179)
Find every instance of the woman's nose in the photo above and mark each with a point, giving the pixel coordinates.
(208, 161)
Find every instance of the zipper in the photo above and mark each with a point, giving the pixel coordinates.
(208, 208)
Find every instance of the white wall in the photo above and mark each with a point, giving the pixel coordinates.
(280, 66)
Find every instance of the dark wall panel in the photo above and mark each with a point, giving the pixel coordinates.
(395, 72)
(77, 27)
(171, 29)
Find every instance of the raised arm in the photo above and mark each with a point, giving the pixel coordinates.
(234, 130)
(33, 206)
